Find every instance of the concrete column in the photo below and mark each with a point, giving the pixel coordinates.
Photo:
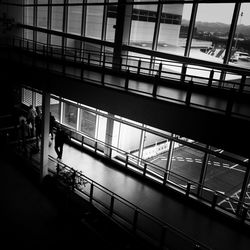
(45, 135)
(109, 135)
(122, 30)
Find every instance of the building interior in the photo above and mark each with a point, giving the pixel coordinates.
(153, 96)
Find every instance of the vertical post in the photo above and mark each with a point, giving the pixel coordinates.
(203, 172)
(230, 102)
(189, 92)
(91, 192)
(169, 159)
(160, 70)
(154, 93)
(242, 83)
(127, 79)
(214, 201)
(211, 77)
(139, 67)
(111, 208)
(145, 169)
(45, 135)
(188, 189)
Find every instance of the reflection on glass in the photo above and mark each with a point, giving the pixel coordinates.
(88, 123)
(70, 115)
(55, 108)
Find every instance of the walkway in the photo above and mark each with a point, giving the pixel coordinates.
(36, 216)
(194, 221)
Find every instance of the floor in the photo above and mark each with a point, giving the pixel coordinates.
(37, 215)
(194, 221)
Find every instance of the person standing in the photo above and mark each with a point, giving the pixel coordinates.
(60, 138)
(38, 125)
(31, 119)
(52, 125)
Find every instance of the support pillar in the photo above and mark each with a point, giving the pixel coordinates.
(45, 135)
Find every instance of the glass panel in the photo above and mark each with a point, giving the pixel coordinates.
(75, 17)
(27, 97)
(57, 15)
(55, 108)
(241, 46)
(111, 22)
(174, 25)
(101, 129)
(69, 115)
(42, 14)
(38, 101)
(88, 123)
(211, 31)
(129, 138)
(186, 165)
(94, 21)
(143, 24)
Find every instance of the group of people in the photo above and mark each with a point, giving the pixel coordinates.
(30, 126)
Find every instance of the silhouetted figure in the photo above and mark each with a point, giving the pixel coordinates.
(31, 119)
(52, 125)
(38, 125)
(60, 138)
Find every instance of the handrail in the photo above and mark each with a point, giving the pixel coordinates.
(155, 81)
(187, 182)
(112, 210)
(176, 59)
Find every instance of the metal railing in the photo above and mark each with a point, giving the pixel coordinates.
(130, 216)
(167, 178)
(157, 77)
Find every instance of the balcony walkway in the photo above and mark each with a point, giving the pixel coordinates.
(198, 223)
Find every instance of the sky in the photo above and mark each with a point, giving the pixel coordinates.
(218, 13)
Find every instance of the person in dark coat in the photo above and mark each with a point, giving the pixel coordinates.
(52, 125)
(60, 138)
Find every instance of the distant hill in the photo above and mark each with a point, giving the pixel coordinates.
(219, 27)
